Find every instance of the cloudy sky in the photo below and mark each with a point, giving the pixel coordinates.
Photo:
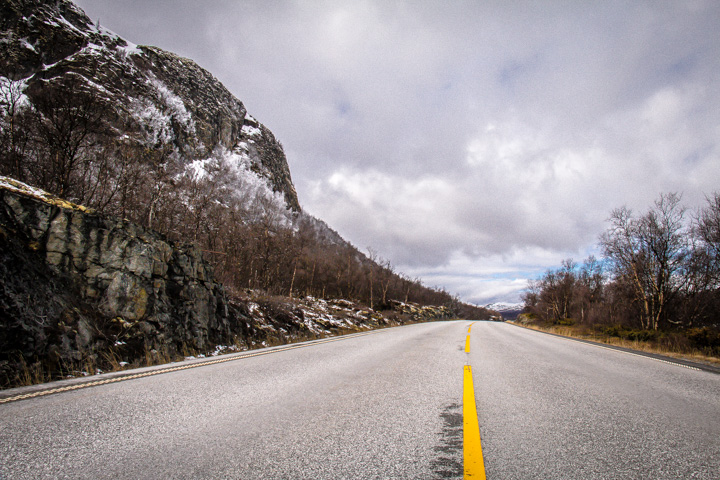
(474, 144)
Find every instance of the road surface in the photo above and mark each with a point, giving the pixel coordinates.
(385, 405)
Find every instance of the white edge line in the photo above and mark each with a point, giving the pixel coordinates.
(95, 383)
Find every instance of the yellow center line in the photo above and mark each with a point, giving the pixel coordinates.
(473, 462)
(467, 339)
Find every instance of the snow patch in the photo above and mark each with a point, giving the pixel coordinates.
(129, 49)
(254, 309)
(223, 349)
(24, 42)
(174, 104)
(92, 49)
(251, 131)
(69, 25)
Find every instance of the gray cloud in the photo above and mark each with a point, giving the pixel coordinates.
(472, 144)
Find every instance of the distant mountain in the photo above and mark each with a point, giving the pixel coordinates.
(509, 311)
(155, 97)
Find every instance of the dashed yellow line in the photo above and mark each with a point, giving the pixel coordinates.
(229, 358)
(467, 339)
(474, 465)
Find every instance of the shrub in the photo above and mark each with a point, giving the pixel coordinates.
(706, 339)
(632, 335)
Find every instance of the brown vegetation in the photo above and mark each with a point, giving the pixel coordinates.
(62, 141)
(658, 283)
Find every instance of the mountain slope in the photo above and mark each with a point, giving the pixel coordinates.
(166, 218)
(509, 311)
(147, 136)
(155, 97)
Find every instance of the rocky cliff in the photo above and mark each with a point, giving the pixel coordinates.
(75, 283)
(156, 97)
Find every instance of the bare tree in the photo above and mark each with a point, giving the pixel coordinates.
(651, 251)
(707, 231)
(553, 295)
(386, 276)
(14, 132)
(70, 122)
(589, 289)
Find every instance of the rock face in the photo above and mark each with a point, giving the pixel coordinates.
(101, 282)
(157, 97)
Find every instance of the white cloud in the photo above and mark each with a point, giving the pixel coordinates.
(459, 139)
(488, 279)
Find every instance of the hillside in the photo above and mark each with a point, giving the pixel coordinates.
(152, 98)
(150, 214)
(82, 292)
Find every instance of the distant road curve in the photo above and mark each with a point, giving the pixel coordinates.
(385, 405)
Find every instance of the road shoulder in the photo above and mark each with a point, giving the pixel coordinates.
(656, 356)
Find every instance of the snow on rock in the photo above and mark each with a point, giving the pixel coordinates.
(283, 319)
(504, 307)
(172, 101)
(19, 187)
(508, 311)
(174, 104)
(251, 128)
(251, 131)
(24, 42)
(129, 49)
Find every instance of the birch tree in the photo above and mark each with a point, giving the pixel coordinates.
(651, 252)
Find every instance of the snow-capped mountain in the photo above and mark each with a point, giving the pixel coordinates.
(156, 97)
(507, 310)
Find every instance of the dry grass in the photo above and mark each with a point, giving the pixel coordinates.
(674, 351)
(30, 374)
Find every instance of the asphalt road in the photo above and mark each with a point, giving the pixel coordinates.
(556, 408)
(385, 405)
